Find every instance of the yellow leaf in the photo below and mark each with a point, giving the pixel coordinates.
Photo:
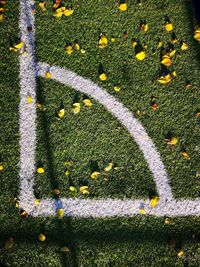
(19, 45)
(42, 6)
(166, 60)
(29, 99)
(103, 41)
(60, 213)
(82, 51)
(197, 35)
(117, 88)
(84, 190)
(172, 141)
(47, 74)
(123, 7)
(144, 27)
(154, 201)
(165, 79)
(142, 211)
(159, 44)
(67, 173)
(185, 155)
(42, 237)
(168, 26)
(172, 53)
(168, 221)
(37, 201)
(76, 107)
(61, 113)
(9, 243)
(180, 253)
(40, 170)
(109, 167)
(1, 166)
(95, 175)
(69, 49)
(141, 55)
(103, 77)
(72, 189)
(76, 46)
(2, 17)
(56, 191)
(174, 73)
(87, 102)
(68, 12)
(112, 39)
(184, 46)
(65, 249)
(134, 44)
(23, 214)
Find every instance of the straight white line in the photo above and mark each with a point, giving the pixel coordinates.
(27, 112)
(126, 118)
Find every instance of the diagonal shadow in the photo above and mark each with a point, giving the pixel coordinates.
(64, 231)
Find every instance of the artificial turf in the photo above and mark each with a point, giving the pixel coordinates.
(139, 241)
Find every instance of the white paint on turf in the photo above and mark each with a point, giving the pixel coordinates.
(84, 207)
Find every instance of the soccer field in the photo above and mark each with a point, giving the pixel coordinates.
(99, 134)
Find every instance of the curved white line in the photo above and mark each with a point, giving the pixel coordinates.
(124, 115)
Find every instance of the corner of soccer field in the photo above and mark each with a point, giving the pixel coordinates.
(75, 141)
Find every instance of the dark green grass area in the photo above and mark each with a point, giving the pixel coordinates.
(177, 105)
(140, 241)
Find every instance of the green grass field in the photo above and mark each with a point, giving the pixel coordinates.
(94, 135)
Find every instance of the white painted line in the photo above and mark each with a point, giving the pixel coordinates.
(27, 112)
(84, 207)
(126, 118)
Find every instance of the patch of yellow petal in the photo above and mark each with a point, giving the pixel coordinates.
(144, 27)
(19, 45)
(123, 7)
(95, 175)
(168, 26)
(2, 17)
(84, 190)
(41, 237)
(184, 46)
(76, 108)
(60, 213)
(103, 41)
(9, 243)
(68, 12)
(82, 51)
(166, 60)
(141, 55)
(61, 113)
(109, 167)
(172, 141)
(165, 79)
(47, 74)
(87, 102)
(29, 99)
(1, 166)
(40, 170)
(103, 77)
(154, 201)
(197, 34)
(76, 46)
(134, 44)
